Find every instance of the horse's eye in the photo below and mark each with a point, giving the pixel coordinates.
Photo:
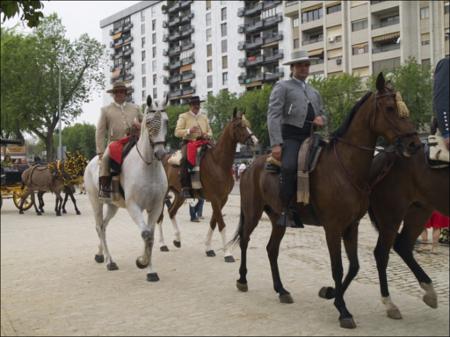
(390, 109)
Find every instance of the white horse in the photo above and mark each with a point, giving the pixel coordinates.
(144, 183)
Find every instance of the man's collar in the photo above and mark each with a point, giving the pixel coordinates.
(193, 114)
(120, 105)
(302, 82)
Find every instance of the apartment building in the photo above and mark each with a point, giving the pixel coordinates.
(184, 48)
(366, 37)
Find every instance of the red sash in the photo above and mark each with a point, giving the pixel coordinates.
(191, 150)
(115, 149)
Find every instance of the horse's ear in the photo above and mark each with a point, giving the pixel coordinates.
(380, 82)
(234, 112)
(149, 101)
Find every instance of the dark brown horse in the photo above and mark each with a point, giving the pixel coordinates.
(216, 177)
(339, 190)
(409, 192)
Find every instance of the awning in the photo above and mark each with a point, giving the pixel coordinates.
(334, 53)
(117, 35)
(186, 67)
(315, 52)
(385, 37)
(360, 45)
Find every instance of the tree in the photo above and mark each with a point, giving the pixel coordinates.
(80, 137)
(30, 65)
(415, 83)
(30, 11)
(220, 110)
(173, 111)
(339, 94)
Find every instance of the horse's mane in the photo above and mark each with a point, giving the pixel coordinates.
(342, 129)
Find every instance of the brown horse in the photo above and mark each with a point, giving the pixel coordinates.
(410, 192)
(342, 170)
(216, 177)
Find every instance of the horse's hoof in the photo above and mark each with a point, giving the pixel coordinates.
(64, 211)
(177, 243)
(242, 286)
(99, 258)
(229, 258)
(164, 248)
(347, 323)
(112, 266)
(57, 214)
(40, 214)
(286, 298)
(152, 277)
(210, 253)
(430, 300)
(78, 213)
(326, 293)
(141, 265)
(394, 313)
(146, 235)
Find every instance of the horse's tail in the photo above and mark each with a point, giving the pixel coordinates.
(238, 234)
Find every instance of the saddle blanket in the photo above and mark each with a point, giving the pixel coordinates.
(115, 149)
(191, 151)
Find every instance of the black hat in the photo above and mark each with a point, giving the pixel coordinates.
(195, 100)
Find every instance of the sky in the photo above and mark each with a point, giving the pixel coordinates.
(80, 17)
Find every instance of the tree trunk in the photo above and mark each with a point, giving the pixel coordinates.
(51, 155)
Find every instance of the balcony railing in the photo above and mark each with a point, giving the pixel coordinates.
(187, 75)
(271, 4)
(174, 7)
(174, 36)
(269, 76)
(128, 65)
(274, 57)
(389, 47)
(174, 51)
(188, 90)
(394, 21)
(253, 27)
(116, 30)
(254, 9)
(273, 20)
(174, 22)
(174, 65)
(128, 40)
(250, 45)
(187, 32)
(175, 93)
(117, 43)
(185, 3)
(174, 79)
(128, 52)
(251, 61)
(314, 40)
(128, 77)
(187, 46)
(273, 38)
(128, 26)
(186, 18)
(188, 60)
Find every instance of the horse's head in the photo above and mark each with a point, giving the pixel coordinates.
(391, 119)
(241, 129)
(156, 123)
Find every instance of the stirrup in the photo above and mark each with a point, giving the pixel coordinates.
(186, 193)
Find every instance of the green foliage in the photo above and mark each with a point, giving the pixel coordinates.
(80, 137)
(339, 94)
(220, 110)
(415, 84)
(173, 111)
(29, 8)
(30, 65)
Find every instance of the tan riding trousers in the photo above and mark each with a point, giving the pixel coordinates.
(104, 164)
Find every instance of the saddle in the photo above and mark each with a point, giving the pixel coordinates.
(308, 157)
(118, 150)
(437, 155)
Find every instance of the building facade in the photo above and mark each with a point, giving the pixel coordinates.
(184, 48)
(366, 37)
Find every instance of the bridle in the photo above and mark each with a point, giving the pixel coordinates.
(152, 143)
(366, 188)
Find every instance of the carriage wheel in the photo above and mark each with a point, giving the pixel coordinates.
(17, 194)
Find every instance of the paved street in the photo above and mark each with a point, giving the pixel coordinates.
(51, 285)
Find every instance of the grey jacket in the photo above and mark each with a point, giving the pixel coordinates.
(288, 104)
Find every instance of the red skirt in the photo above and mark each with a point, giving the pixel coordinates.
(438, 220)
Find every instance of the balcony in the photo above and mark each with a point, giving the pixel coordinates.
(271, 4)
(116, 30)
(188, 90)
(382, 49)
(175, 79)
(273, 38)
(175, 93)
(128, 77)
(116, 44)
(185, 4)
(246, 79)
(174, 51)
(273, 76)
(128, 40)
(174, 22)
(127, 26)
(250, 45)
(311, 41)
(187, 76)
(251, 61)
(250, 28)
(128, 65)
(187, 46)
(174, 36)
(173, 8)
(117, 55)
(187, 32)
(174, 65)
(186, 18)
(274, 57)
(127, 52)
(241, 12)
(256, 9)
(273, 20)
(188, 60)
(389, 22)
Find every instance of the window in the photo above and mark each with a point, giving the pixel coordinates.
(208, 34)
(143, 55)
(154, 65)
(359, 25)
(225, 62)
(153, 10)
(208, 4)
(142, 16)
(144, 82)
(225, 78)
(224, 46)
(295, 22)
(334, 9)
(143, 95)
(209, 50)
(153, 24)
(424, 12)
(360, 49)
(153, 38)
(223, 14)
(143, 69)
(142, 28)
(268, 13)
(425, 39)
(209, 66)
(154, 79)
(143, 43)
(446, 8)
(223, 29)
(312, 15)
(208, 19)
(296, 43)
(155, 93)
(209, 81)
(154, 52)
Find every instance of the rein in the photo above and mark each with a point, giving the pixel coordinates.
(140, 154)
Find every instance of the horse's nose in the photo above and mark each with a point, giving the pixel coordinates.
(159, 154)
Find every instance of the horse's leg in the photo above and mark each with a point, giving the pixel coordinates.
(413, 225)
(172, 210)
(58, 205)
(273, 248)
(111, 210)
(334, 249)
(212, 225)
(32, 200)
(162, 245)
(41, 201)
(72, 197)
(222, 229)
(248, 223)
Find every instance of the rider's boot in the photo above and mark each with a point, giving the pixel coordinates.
(104, 192)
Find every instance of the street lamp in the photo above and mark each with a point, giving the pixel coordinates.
(60, 151)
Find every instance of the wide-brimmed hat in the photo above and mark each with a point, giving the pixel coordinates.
(195, 100)
(299, 56)
(118, 86)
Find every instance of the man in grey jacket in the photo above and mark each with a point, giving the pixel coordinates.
(294, 108)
